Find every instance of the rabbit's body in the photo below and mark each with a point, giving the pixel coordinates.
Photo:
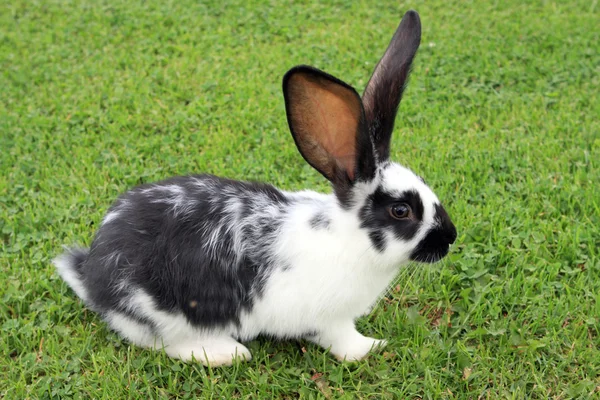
(194, 264)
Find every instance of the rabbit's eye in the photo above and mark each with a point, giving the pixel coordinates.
(400, 211)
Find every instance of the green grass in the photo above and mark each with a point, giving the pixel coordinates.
(501, 117)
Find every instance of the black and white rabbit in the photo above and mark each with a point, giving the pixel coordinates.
(196, 264)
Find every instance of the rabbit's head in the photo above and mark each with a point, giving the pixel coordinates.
(347, 139)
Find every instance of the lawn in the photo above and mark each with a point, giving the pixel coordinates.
(501, 117)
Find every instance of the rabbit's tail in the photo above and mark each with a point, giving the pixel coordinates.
(69, 266)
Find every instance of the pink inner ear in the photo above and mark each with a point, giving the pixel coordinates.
(348, 162)
(339, 114)
(325, 115)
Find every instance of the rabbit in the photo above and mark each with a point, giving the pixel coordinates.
(195, 265)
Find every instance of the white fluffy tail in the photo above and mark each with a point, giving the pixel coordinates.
(68, 266)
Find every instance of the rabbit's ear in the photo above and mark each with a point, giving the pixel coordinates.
(384, 91)
(327, 121)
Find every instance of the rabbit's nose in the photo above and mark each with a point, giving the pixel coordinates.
(447, 229)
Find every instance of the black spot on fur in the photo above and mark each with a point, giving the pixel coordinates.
(246, 208)
(375, 217)
(309, 334)
(319, 221)
(180, 262)
(378, 239)
(267, 228)
(436, 243)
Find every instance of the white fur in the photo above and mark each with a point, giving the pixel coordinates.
(346, 343)
(65, 270)
(116, 212)
(131, 330)
(173, 195)
(174, 333)
(111, 216)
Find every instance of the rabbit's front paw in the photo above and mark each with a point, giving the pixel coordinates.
(346, 343)
(358, 348)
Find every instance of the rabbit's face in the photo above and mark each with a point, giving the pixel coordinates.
(347, 139)
(404, 218)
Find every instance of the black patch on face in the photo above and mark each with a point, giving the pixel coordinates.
(319, 221)
(378, 239)
(436, 244)
(375, 217)
(210, 285)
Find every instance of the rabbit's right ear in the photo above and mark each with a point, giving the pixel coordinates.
(327, 121)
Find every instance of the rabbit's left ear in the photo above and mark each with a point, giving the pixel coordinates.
(384, 91)
(327, 121)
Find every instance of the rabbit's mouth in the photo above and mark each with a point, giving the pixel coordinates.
(430, 257)
(436, 244)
